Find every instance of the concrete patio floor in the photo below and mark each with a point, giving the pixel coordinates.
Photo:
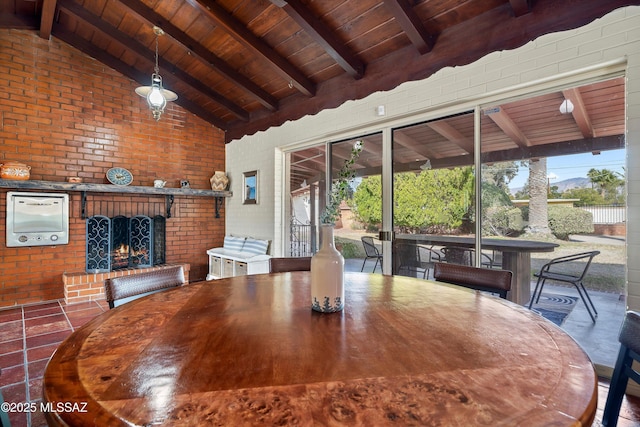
(599, 340)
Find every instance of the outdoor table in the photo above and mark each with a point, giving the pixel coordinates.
(516, 256)
(249, 350)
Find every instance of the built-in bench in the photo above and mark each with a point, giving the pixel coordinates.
(237, 257)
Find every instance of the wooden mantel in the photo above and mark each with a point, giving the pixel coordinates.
(110, 188)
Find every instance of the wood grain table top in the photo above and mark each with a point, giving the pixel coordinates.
(250, 351)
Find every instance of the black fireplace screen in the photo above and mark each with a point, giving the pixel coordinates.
(121, 242)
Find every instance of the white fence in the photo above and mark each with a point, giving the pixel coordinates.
(607, 214)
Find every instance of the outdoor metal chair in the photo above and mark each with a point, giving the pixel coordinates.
(464, 256)
(285, 264)
(371, 251)
(556, 270)
(481, 279)
(415, 258)
(629, 351)
(122, 289)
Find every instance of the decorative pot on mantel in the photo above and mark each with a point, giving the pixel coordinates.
(327, 275)
(219, 181)
(15, 170)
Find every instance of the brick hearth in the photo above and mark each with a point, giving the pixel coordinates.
(81, 287)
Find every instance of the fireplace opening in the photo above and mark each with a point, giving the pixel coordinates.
(122, 242)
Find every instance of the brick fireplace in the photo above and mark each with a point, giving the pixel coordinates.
(93, 123)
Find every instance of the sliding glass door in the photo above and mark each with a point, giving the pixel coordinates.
(433, 194)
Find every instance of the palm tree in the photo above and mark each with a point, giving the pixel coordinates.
(607, 181)
(538, 213)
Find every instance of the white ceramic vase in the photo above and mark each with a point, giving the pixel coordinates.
(327, 275)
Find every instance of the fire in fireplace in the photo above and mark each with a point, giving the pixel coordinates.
(121, 242)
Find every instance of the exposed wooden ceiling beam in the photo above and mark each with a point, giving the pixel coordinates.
(323, 36)
(202, 53)
(579, 112)
(520, 7)
(46, 19)
(127, 70)
(411, 24)
(238, 31)
(587, 145)
(455, 47)
(452, 134)
(504, 122)
(401, 138)
(126, 42)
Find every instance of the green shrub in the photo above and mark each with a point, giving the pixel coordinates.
(565, 220)
(349, 249)
(502, 221)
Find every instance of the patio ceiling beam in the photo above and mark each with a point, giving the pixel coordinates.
(411, 24)
(323, 36)
(203, 54)
(507, 125)
(409, 143)
(452, 135)
(587, 145)
(168, 68)
(238, 31)
(579, 111)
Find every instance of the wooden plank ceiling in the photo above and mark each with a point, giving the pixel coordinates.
(525, 129)
(247, 65)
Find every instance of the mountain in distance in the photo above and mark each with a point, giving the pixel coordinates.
(570, 183)
(564, 185)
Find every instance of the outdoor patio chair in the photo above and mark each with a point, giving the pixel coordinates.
(123, 289)
(464, 256)
(415, 258)
(371, 251)
(492, 261)
(285, 264)
(629, 351)
(481, 279)
(557, 270)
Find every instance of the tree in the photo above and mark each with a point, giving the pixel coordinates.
(500, 174)
(367, 201)
(538, 213)
(608, 182)
(439, 200)
(587, 196)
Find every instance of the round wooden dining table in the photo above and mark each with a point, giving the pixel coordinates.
(250, 351)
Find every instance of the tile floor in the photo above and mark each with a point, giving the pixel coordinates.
(28, 337)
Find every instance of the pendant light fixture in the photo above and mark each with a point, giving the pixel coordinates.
(157, 96)
(566, 107)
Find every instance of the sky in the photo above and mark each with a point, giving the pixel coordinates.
(575, 166)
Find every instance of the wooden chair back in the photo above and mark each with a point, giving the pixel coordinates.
(482, 279)
(125, 288)
(284, 264)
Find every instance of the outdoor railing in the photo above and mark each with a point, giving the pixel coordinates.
(302, 240)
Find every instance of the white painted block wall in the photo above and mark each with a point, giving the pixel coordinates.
(613, 38)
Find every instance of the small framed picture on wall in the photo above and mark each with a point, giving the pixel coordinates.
(250, 194)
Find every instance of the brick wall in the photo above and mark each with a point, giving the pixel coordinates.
(65, 114)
